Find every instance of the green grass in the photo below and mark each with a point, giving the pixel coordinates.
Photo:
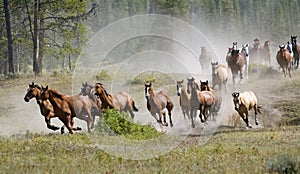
(233, 152)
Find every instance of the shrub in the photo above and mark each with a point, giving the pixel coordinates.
(284, 164)
(113, 123)
(103, 75)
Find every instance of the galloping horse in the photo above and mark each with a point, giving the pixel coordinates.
(235, 62)
(219, 75)
(121, 101)
(205, 57)
(254, 51)
(265, 53)
(88, 90)
(284, 59)
(184, 99)
(46, 109)
(217, 97)
(243, 103)
(157, 103)
(245, 53)
(68, 107)
(200, 100)
(296, 51)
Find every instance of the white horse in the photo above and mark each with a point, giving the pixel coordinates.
(245, 52)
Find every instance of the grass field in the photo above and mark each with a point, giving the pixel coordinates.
(267, 149)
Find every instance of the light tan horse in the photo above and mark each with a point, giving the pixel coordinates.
(205, 57)
(243, 103)
(121, 101)
(184, 99)
(219, 75)
(284, 59)
(200, 100)
(157, 103)
(204, 86)
(46, 109)
(69, 107)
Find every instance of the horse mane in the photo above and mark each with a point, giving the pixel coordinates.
(56, 93)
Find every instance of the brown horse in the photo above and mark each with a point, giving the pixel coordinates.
(243, 103)
(121, 101)
(69, 107)
(296, 51)
(254, 52)
(200, 100)
(88, 90)
(235, 62)
(205, 57)
(204, 86)
(184, 99)
(284, 59)
(157, 103)
(265, 52)
(46, 109)
(219, 75)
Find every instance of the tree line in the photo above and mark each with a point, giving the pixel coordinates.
(46, 34)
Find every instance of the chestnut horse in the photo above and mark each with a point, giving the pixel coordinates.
(121, 101)
(204, 86)
(243, 103)
(219, 75)
(184, 99)
(157, 103)
(46, 109)
(296, 51)
(68, 107)
(284, 59)
(200, 100)
(235, 62)
(265, 52)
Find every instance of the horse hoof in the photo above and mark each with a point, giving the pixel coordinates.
(193, 125)
(62, 130)
(55, 128)
(256, 123)
(166, 124)
(78, 128)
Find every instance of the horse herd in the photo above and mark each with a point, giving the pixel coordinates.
(93, 100)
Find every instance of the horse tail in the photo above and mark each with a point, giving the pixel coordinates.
(135, 109)
(258, 109)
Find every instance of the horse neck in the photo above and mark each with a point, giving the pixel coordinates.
(55, 98)
(183, 92)
(106, 99)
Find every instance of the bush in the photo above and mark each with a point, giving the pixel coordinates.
(113, 123)
(284, 164)
(103, 75)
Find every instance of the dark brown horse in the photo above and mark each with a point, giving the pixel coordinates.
(296, 51)
(204, 86)
(265, 53)
(46, 109)
(284, 59)
(121, 101)
(254, 52)
(205, 58)
(184, 99)
(200, 100)
(235, 62)
(68, 107)
(157, 103)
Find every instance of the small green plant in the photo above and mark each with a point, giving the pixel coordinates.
(113, 122)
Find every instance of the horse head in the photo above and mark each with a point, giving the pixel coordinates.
(179, 87)
(45, 93)
(32, 91)
(234, 45)
(191, 84)
(204, 85)
(214, 66)
(148, 88)
(236, 100)
(85, 89)
(245, 49)
(99, 90)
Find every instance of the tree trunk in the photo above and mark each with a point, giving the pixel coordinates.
(41, 39)
(9, 38)
(36, 39)
(152, 9)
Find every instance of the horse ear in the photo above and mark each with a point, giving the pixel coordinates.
(206, 82)
(182, 81)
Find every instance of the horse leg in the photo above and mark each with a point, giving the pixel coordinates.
(67, 122)
(192, 117)
(201, 108)
(164, 117)
(49, 126)
(245, 118)
(170, 118)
